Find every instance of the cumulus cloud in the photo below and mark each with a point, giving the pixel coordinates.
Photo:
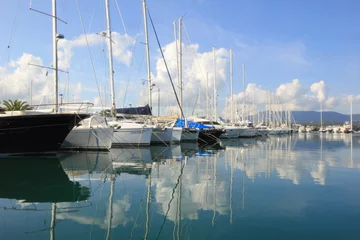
(292, 95)
(19, 77)
(121, 47)
(319, 90)
(198, 70)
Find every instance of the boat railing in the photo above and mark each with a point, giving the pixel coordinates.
(75, 107)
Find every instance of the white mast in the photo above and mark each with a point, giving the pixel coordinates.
(180, 64)
(207, 95)
(215, 97)
(55, 56)
(147, 55)
(321, 121)
(351, 117)
(177, 52)
(231, 88)
(112, 90)
(243, 83)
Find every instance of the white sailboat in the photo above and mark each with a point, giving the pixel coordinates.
(126, 132)
(159, 134)
(91, 134)
(188, 134)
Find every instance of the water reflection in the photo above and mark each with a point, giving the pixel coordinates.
(236, 188)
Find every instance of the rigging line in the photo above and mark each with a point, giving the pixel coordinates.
(122, 20)
(87, 44)
(167, 69)
(91, 19)
(13, 30)
(197, 61)
(123, 23)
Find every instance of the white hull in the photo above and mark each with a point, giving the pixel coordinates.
(135, 136)
(276, 131)
(189, 136)
(89, 138)
(262, 131)
(176, 134)
(161, 135)
(249, 132)
(237, 132)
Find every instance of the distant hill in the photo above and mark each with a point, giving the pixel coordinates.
(303, 117)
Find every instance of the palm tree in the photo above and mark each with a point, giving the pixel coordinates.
(16, 105)
(105, 113)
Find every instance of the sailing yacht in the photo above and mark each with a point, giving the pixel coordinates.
(213, 131)
(126, 131)
(92, 133)
(36, 132)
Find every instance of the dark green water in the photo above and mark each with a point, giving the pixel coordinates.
(299, 187)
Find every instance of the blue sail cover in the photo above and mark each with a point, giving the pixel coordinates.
(146, 110)
(191, 124)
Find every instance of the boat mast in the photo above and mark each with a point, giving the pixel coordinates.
(147, 55)
(243, 83)
(207, 95)
(215, 97)
(231, 88)
(55, 55)
(112, 90)
(321, 122)
(180, 64)
(177, 53)
(351, 117)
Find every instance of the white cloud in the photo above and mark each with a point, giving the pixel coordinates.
(19, 77)
(319, 90)
(196, 66)
(121, 47)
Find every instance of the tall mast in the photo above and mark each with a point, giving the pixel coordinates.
(180, 63)
(112, 90)
(243, 83)
(321, 122)
(177, 53)
(351, 117)
(215, 97)
(55, 56)
(231, 87)
(207, 95)
(147, 54)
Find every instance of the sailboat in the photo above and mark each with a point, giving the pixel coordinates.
(126, 131)
(92, 133)
(36, 132)
(321, 130)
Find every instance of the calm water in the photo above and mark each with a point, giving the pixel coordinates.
(299, 187)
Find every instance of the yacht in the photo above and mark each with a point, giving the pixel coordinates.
(92, 133)
(31, 132)
(329, 129)
(130, 133)
(346, 128)
(176, 134)
(210, 131)
(160, 134)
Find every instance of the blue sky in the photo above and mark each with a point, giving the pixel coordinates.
(278, 41)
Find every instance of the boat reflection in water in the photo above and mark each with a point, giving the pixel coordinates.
(246, 188)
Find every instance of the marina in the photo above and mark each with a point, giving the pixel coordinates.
(114, 124)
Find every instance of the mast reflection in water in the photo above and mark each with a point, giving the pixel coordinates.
(294, 187)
